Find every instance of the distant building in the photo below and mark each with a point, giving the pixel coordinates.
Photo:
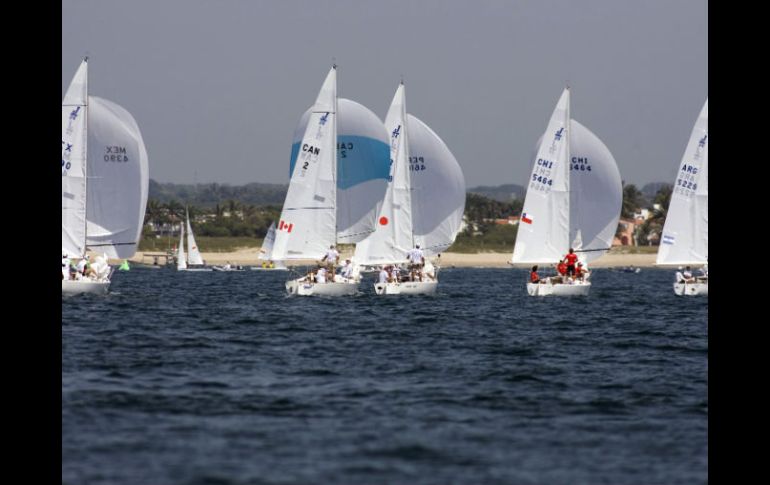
(625, 237)
(512, 220)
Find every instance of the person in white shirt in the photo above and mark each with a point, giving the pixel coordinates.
(687, 275)
(331, 258)
(320, 275)
(81, 266)
(416, 262)
(394, 273)
(65, 266)
(347, 269)
(383, 275)
(679, 276)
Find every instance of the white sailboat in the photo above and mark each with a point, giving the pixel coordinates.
(686, 232)
(423, 204)
(192, 261)
(339, 170)
(104, 189)
(573, 200)
(266, 253)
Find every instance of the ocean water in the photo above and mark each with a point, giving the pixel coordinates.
(219, 378)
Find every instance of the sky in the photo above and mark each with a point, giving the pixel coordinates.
(217, 86)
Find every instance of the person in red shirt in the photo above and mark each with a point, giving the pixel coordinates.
(562, 268)
(571, 259)
(533, 277)
(579, 272)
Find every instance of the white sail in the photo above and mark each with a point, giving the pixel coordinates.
(118, 180)
(685, 233)
(393, 236)
(181, 260)
(266, 252)
(438, 189)
(73, 159)
(363, 165)
(544, 230)
(308, 220)
(193, 254)
(596, 194)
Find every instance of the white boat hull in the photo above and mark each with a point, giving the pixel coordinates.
(580, 288)
(74, 287)
(194, 269)
(220, 268)
(307, 288)
(691, 289)
(259, 268)
(406, 288)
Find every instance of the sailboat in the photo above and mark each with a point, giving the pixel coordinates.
(686, 231)
(192, 261)
(104, 188)
(573, 200)
(423, 204)
(339, 170)
(266, 253)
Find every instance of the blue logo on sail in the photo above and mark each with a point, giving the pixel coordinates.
(396, 132)
(702, 142)
(323, 119)
(668, 239)
(74, 113)
(559, 134)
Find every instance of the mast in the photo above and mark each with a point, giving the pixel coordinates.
(334, 155)
(85, 164)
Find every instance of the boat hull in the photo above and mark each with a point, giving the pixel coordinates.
(194, 269)
(307, 288)
(74, 287)
(691, 289)
(558, 289)
(406, 288)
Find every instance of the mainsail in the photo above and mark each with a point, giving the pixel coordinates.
(193, 253)
(577, 159)
(308, 220)
(425, 199)
(266, 252)
(685, 233)
(73, 163)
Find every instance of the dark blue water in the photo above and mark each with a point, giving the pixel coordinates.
(218, 378)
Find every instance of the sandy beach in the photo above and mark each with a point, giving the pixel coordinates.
(248, 257)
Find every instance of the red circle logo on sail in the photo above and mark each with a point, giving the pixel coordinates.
(383, 221)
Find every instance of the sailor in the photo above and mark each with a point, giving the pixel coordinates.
(561, 268)
(347, 269)
(320, 275)
(579, 272)
(227, 266)
(82, 267)
(679, 276)
(533, 277)
(65, 266)
(571, 259)
(416, 261)
(331, 258)
(394, 273)
(383, 275)
(687, 275)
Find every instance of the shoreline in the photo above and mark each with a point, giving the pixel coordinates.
(248, 257)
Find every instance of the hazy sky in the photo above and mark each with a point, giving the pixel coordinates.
(217, 86)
